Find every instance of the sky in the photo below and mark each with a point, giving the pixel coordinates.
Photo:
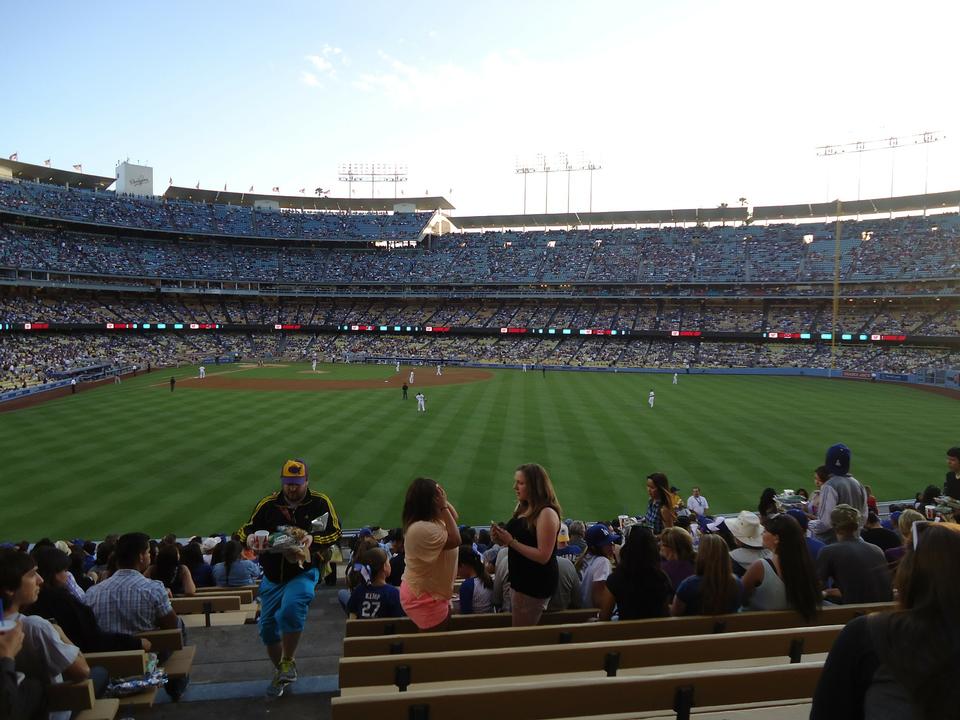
(684, 103)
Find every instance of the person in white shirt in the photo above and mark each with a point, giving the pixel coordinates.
(410, 381)
(594, 565)
(421, 402)
(697, 503)
(650, 399)
(313, 365)
(674, 378)
(203, 372)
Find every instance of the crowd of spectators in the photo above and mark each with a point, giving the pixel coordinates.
(896, 249)
(108, 208)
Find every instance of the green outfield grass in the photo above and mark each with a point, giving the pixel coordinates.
(138, 457)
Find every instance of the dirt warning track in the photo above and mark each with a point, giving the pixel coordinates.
(426, 377)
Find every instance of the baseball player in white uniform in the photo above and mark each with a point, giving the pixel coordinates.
(421, 402)
(674, 378)
(410, 381)
(203, 372)
(650, 399)
(439, 370)
(313, 365)
(398, 366)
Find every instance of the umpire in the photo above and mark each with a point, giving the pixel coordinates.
(287, 588)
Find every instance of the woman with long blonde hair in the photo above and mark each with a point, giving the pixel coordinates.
(531, 536)
(714, 589)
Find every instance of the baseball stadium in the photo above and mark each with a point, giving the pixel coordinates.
(466, 429)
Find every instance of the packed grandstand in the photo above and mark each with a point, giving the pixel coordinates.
(83, 268)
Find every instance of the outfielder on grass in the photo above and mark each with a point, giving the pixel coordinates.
(289, 528)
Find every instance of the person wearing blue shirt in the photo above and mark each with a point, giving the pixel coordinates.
(234, 571)
(374, 598)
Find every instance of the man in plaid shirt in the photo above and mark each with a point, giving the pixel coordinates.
(127, 602)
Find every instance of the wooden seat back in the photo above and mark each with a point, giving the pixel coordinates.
(399, 626)
(585, 697)
(408, 670)
(598, 631)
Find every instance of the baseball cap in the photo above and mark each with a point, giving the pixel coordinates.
(294, 472)
(843, 516)
(838, 459)
(598, 536)
(800, 516)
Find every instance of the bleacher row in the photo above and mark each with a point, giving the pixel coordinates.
(569, 667)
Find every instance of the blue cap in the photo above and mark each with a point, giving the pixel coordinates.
(598, 536)
(800, 516)
(838, 459)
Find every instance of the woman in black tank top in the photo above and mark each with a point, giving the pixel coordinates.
(531, 536)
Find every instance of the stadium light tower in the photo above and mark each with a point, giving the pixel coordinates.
(372, 173)
(560, 163)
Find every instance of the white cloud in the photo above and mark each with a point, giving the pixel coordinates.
(320, 63)
(309, 79)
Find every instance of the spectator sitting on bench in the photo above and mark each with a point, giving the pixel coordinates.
(594, 565)
(714, 589)
(374, 598)
(905, 521)
(19, 698)
(192, 557)
(678, 557)
(127, 602)
(57, 603)
(638, 586)
(787, 580)
(476, 590)
(168, 569)
(748, 534)
(47, 655)
(234, 571)
(902, 664)
(854, 570)
(397, 560)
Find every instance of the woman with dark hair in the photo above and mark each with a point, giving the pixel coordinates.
(768, 506)
(192, 557)
(787, 580)
(77, 564)
(714, 589)
(638, 587)
(57, 604)
(168, 569)
(476, 590)
(660, 507)
(531, 536)
(374, 597)
(234, 571)
(678, 558)
(902, 664)
(431, 538)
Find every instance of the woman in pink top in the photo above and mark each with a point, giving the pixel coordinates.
(431, 540)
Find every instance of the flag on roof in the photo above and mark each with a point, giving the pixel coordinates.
(198, 186)
(224, 187)
(15, 157)
(251, 189)
(170, 180)
(302, 190)
(46, 163)
(79, 167)
(276, 189)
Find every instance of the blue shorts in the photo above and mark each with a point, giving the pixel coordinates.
(283, 607)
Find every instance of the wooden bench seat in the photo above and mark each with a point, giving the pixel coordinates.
(254, 590)
(208, 603)
(78, 698)
(597, 631)
(580, 698)
(599, 657)
(122, 664)
(395, 626)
